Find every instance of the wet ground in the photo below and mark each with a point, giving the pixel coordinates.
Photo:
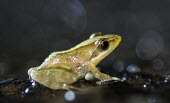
(138, 87)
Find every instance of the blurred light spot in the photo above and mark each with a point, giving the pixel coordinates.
(137, 77)
(119, 66)
(165, 81)
(133, 68)
(69, 95)
(144, 85)
(89, 76)
(149, 46)
(124, 78)
(64, 85)
(149, 85)
(167, 77)
(27, 90)
(33, 83)
(4, 68)
(149, 79)
(157, 64)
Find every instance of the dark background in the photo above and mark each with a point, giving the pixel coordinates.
(31, 29)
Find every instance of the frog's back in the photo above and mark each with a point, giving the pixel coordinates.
(72, 58)
(64, 59)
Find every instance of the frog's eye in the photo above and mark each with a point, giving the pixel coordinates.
(103, 45)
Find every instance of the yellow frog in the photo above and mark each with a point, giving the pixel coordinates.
(61, 69)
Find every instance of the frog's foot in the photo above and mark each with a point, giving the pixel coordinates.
(117, 79)
(110, 79)
(54, 78)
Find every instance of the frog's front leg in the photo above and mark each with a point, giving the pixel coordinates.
(102, 76)
(59, 78)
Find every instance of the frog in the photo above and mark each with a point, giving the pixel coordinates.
(63, 68)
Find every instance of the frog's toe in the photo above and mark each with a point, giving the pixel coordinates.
(107, 80)
(117, 79)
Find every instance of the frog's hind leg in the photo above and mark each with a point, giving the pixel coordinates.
(59, 78)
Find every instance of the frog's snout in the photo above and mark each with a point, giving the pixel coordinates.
(117, 38)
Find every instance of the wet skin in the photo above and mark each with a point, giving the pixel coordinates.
(63, 68)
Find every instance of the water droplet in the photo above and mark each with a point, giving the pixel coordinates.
(136, 76)
(34, 83)
(165, 81)
(133, 68)
(69, 95)
(124, 78)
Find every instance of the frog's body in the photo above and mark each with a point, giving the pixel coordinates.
(63, 68)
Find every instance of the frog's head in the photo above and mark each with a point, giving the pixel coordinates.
(97, 47)
(104, 45)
